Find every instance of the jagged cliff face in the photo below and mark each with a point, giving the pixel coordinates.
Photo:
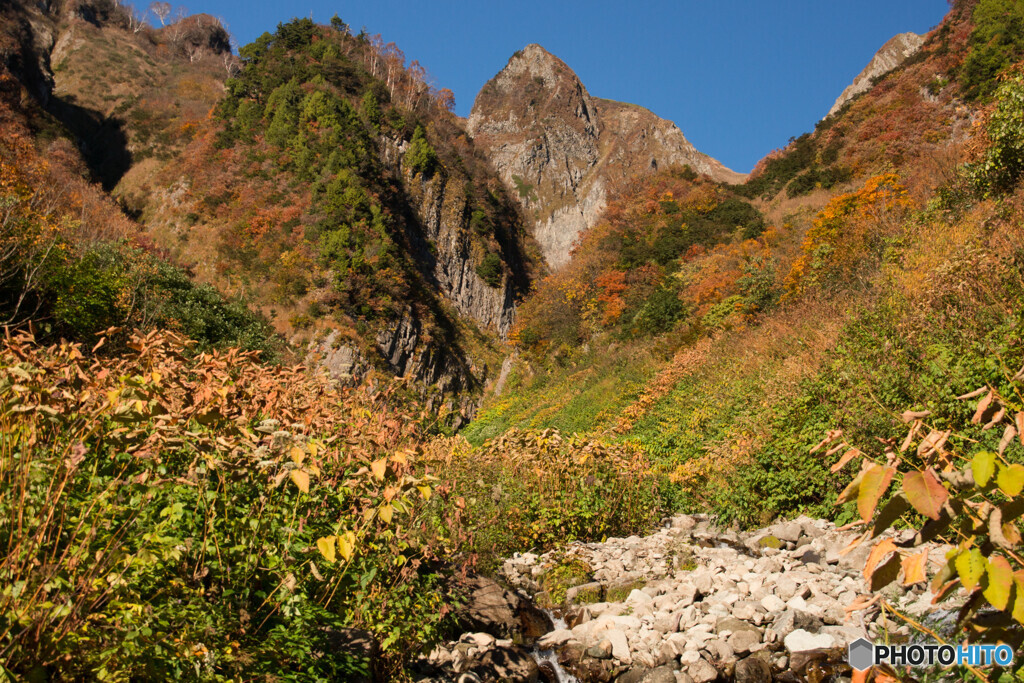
(447, 254)
(897, 50)
(561, 151)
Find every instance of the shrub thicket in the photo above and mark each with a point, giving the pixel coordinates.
(165, 515)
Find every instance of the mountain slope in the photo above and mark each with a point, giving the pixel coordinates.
(889, 277)
(897, 49)
(561, 151)
(317, 178)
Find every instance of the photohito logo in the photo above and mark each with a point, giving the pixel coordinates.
(863, 654)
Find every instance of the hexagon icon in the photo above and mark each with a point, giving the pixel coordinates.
(861, 654)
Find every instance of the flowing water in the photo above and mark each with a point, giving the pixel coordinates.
(548, 660)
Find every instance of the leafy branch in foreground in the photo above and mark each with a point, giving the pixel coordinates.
(950, 489)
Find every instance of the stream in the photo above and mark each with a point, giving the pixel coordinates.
(547, 660)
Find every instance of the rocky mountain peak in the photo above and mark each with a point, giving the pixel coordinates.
(895, 51)
(561, 151)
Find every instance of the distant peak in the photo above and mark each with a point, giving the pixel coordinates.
(536, 58)
(534, 49)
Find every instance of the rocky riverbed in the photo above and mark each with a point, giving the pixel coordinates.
(691, 602)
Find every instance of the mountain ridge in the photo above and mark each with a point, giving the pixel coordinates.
(894, 52)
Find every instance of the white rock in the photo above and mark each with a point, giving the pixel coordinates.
(797, 603)
(773, 604)
(744, 611)
(801, 641)
(620, 646)
(553, 639)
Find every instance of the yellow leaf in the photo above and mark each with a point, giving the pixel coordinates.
(1018, 602)
(314, 470)
(301, 479)
(1000, 582)
(400, 459)
(983, 466)
(326, 546)
(378, 467)
(297, 455)
(872, 487)
(347, 544)
(970, 565)
(312, 449)
(914, 568)
(157, 378)
(1011, 479)
(386, 513)
(424, 491)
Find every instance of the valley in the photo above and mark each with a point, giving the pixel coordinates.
(306, 377)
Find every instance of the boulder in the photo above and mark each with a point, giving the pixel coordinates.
(533, 622)
(788, 531)
(490, 609)
(585, 593)
(735, 625)
(773, 604)
(620, 646)
(553, 639)
(661, 674)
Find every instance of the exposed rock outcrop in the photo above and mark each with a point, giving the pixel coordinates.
(447, 253)
(897, 50)
(561, 151)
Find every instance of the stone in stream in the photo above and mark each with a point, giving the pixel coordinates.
(511, 664)
(553, 639)
(533, 621)
(490, 608)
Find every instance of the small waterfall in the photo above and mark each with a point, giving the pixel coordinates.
(547, 660)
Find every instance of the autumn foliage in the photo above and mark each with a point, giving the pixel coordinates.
(670, 247)
(163, 511)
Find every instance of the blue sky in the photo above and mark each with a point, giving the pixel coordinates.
(739, 77)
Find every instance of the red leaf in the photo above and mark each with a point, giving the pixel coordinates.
(847, 457)
(925, 493)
